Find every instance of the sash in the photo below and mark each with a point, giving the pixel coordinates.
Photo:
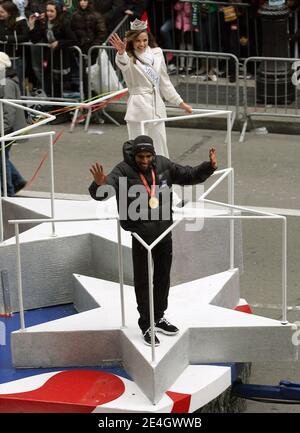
(144, 63)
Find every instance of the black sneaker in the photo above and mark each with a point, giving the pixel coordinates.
(166, 327)
(147, 338)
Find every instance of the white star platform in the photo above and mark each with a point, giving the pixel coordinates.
(80, 265)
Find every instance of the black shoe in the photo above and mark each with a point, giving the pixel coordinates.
(147, 338)
(166, 327)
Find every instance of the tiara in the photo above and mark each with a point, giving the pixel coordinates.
(138, 25)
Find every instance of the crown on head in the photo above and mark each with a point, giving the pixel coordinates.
(138, 25)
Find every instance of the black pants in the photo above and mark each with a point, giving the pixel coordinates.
(162, 260)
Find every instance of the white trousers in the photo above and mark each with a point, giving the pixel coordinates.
(157, 131)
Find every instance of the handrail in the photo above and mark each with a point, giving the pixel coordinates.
(15, 135)
(58, 220)
(260, 215)
(228, 172)
(230, 192)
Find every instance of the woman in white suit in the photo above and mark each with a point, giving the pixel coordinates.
(144, 69)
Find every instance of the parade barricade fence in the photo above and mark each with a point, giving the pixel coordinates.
(273, 90)
(224, 26)
(201, 90)
(54, 80)
(122, 27)
(208, 26)
(207, 79)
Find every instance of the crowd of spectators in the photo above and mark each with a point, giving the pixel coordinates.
(60, 24)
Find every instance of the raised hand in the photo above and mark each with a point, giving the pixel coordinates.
(118, 44)
(31, 21)
(213, 157)
(98, 173)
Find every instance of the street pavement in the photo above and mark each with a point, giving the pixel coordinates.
(267, 175)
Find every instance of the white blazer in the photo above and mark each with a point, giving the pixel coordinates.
(145, 101)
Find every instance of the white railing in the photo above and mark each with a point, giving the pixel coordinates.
(53, 221)
(260, 215)
(228, 172)
(20, 104)
(231, 218)
(16, 136)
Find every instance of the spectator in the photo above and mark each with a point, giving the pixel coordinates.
(14, 119)
(89, 28)
(55, 30)
(167, 33)
(230, 38)
(112, 11)
(205, 19)
(183, 23)
(35, 69)
(13, 31)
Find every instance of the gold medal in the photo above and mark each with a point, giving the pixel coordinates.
(153, 202)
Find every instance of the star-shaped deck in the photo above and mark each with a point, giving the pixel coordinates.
(210, 331)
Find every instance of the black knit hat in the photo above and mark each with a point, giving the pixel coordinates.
(143, 143)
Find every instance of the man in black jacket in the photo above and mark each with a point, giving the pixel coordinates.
(142, 183)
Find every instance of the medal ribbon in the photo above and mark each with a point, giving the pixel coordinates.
(151, 191)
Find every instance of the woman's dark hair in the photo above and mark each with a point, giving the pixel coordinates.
(131, 36)
(60, 15)
(12, 11)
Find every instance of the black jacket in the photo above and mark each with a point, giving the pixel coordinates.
(89, 27)
(112, 11)
(63, 34)
(167, 173)
(13, 36)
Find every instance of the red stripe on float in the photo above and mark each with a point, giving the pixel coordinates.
(181, 402)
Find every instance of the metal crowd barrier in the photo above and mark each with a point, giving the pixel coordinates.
(273, 91)
(209, 30)
(121, 29)
(104, 76)
(205, 79)
(201, 90)
(54, 82)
